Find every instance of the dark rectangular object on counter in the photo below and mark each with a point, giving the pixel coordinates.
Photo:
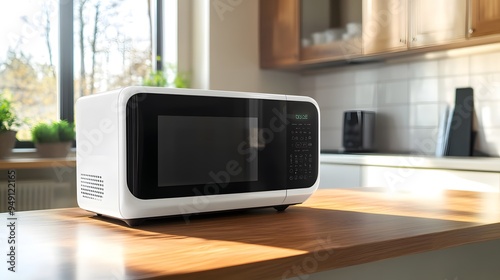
(358, 134)
(460, 139)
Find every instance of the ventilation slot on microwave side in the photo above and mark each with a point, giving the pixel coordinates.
(92, 186)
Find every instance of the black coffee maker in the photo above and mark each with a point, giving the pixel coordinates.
(359, 131)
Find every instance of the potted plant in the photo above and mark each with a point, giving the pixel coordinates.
(8, 122)
(170, 77)
(53, 140)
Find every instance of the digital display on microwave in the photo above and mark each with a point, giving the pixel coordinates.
(195, 150)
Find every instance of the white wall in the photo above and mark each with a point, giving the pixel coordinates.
(199, 44)
(233, 49)
(410, 97)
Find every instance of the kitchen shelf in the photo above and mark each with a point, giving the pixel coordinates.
(28, 163)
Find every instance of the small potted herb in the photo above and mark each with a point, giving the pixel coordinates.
(8, 123)
(170, 77)
(53, 140)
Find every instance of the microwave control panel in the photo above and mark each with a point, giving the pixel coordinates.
(300, 160)
(302, 147)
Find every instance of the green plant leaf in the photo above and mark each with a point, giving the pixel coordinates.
(8, 118)
(66, 131)
(60, 131)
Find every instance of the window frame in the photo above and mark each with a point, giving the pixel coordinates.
(65, 71)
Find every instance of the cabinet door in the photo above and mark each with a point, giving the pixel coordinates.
(279, 32)
(435, 22)
(339, 176)
(485, 17)
(385, 25)
(429, 179)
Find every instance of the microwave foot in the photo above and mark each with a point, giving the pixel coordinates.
(281, 208)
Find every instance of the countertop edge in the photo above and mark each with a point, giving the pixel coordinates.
(350, 256)
(484, 164)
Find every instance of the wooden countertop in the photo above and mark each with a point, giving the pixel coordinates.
(334, 228)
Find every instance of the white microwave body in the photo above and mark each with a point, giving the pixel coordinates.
(145, 152)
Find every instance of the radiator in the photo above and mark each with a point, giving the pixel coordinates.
(32, 195)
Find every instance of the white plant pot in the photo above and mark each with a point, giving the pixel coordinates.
(7, 143)
(53, 150)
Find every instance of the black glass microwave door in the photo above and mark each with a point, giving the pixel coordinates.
(194, 150)
(179, 145)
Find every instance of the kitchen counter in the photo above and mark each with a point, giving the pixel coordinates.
(334, 229)
(488, 164)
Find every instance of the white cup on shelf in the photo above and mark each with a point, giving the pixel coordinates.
(306, 42)
(329, 36)
(336, 33)
(353, 28)
(318, 38)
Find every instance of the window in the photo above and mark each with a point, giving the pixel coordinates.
(113, 44)
(29, 59)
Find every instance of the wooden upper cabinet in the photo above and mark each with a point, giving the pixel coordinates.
(389, 26)
(385, 25)
(434, 22)
(279, 33)
(485, 17)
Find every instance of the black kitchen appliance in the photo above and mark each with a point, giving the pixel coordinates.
(359, 131)
(460, 134)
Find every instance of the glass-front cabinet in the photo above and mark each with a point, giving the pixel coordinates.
(296, 34)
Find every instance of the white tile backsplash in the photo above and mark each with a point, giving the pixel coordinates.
(487, 141)
(307, 84)
(392, 140)
(424, 90)
(423, 141)
(332, 118)
(337, 78)
(424, 115)
(331, 139)
(393, 72)
(423, 69)
(488, 114)
(486, 87)
(367, 75)
(448, 85)
(456, 66)
(392, 93)
(485, 63)
(366, 95)
(325, 98)
(409, 99)
(393, 116)
(344, 96)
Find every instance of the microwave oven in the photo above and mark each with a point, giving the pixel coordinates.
(145, 152)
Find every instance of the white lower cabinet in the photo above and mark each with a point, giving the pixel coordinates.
(335, 175)
(433, 179)
(339, 176)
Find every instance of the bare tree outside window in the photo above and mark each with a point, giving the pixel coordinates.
(27, 61)
(112, 42)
